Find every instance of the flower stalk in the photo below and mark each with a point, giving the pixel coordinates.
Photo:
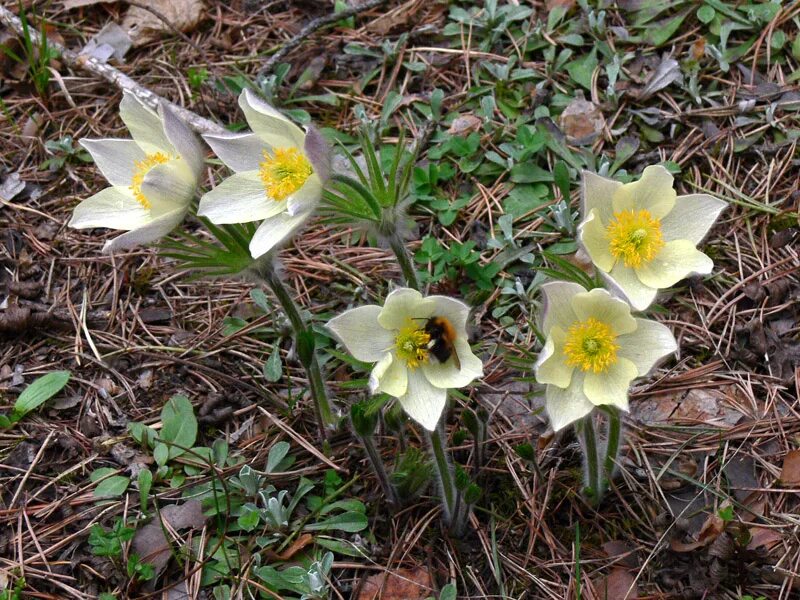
(404, 259)
(589, 442)
(444, 473)
(264, 270)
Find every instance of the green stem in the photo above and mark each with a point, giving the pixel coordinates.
(592, 465)
(404, 258)
(376, 461)
(443, 470)
(612, 447)
(265, 271)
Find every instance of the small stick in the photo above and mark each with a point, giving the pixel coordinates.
(313, 26)
(110, 74)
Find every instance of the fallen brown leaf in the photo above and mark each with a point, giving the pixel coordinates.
(300, 543)
(402, 584)
(790, 473)
(581, 121)
(619, 584)
(711, 530)
(143, 26)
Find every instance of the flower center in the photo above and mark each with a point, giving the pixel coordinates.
(635, 237)
(283, 172)
(590, 346)
(143, 168)
(411, 345)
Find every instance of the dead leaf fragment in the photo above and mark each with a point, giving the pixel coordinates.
(402, 584)
(12, 186)
(668, 71)
(110, 42)
(619, 584)
(70, 4)
(581, 121)
(143, 26)
(764, 537)
(711, 530)
(465, 124)
(152, 546)
(790, 473)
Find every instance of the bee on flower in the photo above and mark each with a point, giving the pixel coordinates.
(642, 236)
(153, 176)
(279, 172)
(594, 348)
(419, 346)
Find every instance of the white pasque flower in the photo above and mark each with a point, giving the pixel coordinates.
(400, 337)
(642, 236)
(278, 175)
(153, 176)
(594, 348)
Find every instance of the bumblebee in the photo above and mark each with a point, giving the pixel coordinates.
(443, 338)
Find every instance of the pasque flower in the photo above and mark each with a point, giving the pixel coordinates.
(406, 337)
(641, 235)
(594, 348)
(153, 176)
(278, 175)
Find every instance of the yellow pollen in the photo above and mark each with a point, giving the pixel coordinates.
(283, 172)
(590, 346)
(411, 345)
(142, 168)
(635, 237)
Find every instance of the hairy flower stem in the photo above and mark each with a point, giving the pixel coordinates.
(612, 446)
(404, 258)
(593, 486)
(264, 270)
(444, 473)
(380, 470)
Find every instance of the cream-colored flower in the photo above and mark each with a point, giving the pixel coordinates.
(643, 237)
(153, 176)
(594, 348)
(278, 175)
(400, 337)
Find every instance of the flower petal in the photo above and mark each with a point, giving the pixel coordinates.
(453, 310)
(423, 401)
(269, 124)
(183, 140)
(612, 386)
(358, 330)
(592, 234)
(318, 151)
(557, 306)
(565, 406)
(306, 198)
(676, 260)
(692, 217)
(622, 281)
(152, 231)
(169, 186)
(390, 376)
(551, 368)
(652, 192)
(644, 347)
(596, 194)
(238, 199)
(116, 159)
(601, 305)
(113, 207)
(446, 375)
(239, 151)
(403, 304)
(144, 124)
(273, 231)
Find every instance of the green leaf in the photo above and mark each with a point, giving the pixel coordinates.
(161, 454)
(659, 33)
(351, 522)
(39, 392)
(273, 368)
(145, 480)
(179, 425)
(706, 14)
(276, 455)
(581, 69)
(249, 518)
(259, 298)
(112, 487)
(5, 422)
(448, 592)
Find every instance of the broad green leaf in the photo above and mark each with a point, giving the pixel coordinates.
(706, 14)
(40, 391)
(581, 69)
(351, 522)
(276, 455)
(273, 368)
(112, 487)
(179, 425)
(145, 480)
(659, 33)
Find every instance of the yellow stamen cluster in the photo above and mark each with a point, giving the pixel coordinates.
(142, 168)
(590, 346)
(635, 237)
(283, 172)
(411, 345)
